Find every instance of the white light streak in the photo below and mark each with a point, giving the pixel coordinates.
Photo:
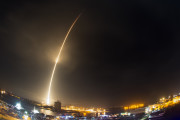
(57, 59)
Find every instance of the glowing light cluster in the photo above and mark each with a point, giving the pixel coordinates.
(35, 111)
(163, 103)
(88, 110)
(18, 106)
(136, 106)
(126, 114)
(3, 91)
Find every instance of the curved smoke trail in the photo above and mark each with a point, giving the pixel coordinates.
(49, 90)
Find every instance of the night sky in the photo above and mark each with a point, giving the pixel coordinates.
(119, 52)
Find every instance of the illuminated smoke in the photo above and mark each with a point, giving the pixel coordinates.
(57, 59)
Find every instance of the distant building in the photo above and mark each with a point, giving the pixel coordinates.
(57, 106)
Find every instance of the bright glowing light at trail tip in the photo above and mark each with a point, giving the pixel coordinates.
(57, 59)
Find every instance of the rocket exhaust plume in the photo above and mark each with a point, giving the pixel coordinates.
(57, 59)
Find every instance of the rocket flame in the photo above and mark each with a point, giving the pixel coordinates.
(57, 59)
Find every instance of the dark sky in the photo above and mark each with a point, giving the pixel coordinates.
(119, 52)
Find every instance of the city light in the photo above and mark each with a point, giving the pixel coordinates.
(126, 113)
(88, 110)
(136, 106)
(35, 111)
(25, 117)
(163, 103)
(18, 106)
(3, 91)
